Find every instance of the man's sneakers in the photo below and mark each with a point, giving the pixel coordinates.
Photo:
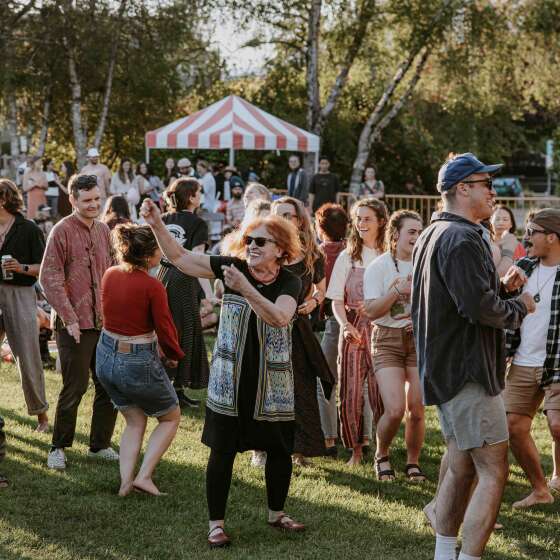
(56, 459)
(185, 401)
(108, 454)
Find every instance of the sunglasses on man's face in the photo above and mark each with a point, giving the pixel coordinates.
(488, 183)
(259, 241)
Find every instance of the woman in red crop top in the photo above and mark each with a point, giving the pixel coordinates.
(136, 321)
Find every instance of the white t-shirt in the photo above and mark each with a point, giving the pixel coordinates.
(208, 199)
(341, 269)
(51, 191)
(378, 278)
(534, 328)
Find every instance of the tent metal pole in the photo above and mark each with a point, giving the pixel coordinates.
(231, 157)
(316, 162)
(147, 154)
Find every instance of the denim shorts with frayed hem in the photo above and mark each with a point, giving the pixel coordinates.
(473, 418)
(136, 379)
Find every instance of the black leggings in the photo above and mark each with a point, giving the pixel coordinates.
(278, 472)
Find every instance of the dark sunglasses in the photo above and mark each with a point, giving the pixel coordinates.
(488, 183)
(259, 241)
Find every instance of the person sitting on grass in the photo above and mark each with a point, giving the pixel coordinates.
(135, 310)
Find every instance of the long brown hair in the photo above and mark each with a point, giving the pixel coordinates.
(310, 249)
(355, 243)
(179, 193)
(394, 227)
(134, 245)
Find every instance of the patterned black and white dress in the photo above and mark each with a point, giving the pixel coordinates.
(184, 295)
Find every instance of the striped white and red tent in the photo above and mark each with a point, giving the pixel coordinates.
(231, 124)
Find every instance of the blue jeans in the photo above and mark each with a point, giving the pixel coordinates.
(136, 378)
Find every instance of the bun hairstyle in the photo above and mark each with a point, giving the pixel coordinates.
(134, 245)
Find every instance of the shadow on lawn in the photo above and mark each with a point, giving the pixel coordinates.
(78, 514)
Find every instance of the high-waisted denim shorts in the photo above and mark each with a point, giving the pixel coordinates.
(136, 379)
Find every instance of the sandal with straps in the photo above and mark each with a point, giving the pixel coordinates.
(219, 540)
(390, 473)
(414, 473)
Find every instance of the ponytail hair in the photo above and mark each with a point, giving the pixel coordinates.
(134, 245)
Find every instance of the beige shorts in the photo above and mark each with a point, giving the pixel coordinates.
(523, 393)
(392, 348)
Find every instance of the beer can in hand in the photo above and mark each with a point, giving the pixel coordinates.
(7, 274)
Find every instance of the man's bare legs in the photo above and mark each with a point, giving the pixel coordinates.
(491, 466)
(527, 455)
(553, 417)
(430, 508)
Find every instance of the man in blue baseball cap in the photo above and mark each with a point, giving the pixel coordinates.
(459, 311)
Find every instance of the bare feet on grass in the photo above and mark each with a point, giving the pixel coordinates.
(43, 423)
(533, 499)
(356, 458)
(147, 486)
(125, 489)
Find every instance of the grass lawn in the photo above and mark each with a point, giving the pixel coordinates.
(76, 515)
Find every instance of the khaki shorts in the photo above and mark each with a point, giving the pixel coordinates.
(473, 418)
(523, 393)
(392, 348)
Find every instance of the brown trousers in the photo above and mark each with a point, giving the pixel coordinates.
(18, 322)
(76, 361)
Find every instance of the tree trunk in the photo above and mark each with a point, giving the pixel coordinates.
(45, 123)
(312, 64)
(109, 82)
(13, 125)
(376, 122)
(80, 139)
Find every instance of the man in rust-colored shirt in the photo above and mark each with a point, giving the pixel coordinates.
(76, 257)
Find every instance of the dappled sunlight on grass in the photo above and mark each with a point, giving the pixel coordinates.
(76, 515)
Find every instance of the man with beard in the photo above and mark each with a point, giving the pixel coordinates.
(76, 257)
(533, 376)
(459, 313)
(235, 208)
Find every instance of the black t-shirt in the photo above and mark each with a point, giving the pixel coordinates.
(187, 228)
(25, 243)
(324, 186)
(229, 433)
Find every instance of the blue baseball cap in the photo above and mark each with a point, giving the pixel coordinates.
(459, 167)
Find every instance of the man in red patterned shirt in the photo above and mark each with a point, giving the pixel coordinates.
(76, 257)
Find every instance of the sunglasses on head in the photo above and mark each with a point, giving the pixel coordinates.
(530, 231)
(259, 241)
(86, 181)
(488, 183)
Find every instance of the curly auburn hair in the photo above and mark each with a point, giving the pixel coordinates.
(10, 196)
(394, 227)
(355, 243)
(331, 220)
(310, 249)
(284, 233)
(134, 245)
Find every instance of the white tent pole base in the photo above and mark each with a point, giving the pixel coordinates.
(231, 157)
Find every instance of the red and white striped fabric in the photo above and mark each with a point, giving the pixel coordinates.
(232, 123)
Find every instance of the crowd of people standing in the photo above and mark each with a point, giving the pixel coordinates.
(413, 314)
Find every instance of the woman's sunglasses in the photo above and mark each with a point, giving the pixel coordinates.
(259, 241)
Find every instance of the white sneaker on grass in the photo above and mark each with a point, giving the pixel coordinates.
(109, 454)
(56, 459)
(258, 459)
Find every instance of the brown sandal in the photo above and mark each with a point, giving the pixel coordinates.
(287, 524)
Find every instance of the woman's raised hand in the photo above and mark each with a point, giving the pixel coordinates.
(150, 212)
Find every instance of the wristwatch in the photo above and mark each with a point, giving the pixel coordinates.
(25, 268)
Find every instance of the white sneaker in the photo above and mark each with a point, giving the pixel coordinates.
(258, 459)
(56, 459)
(108, 454)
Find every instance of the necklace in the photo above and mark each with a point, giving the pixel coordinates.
(6, 229)
(537, 296)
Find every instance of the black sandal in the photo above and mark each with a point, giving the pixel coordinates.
(414, 473)
(387, 472)
(4, 482)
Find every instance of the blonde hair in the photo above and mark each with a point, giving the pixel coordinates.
(310, 249)
(264, 193)
(355, 243)
(394, 227)
(283, 232)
